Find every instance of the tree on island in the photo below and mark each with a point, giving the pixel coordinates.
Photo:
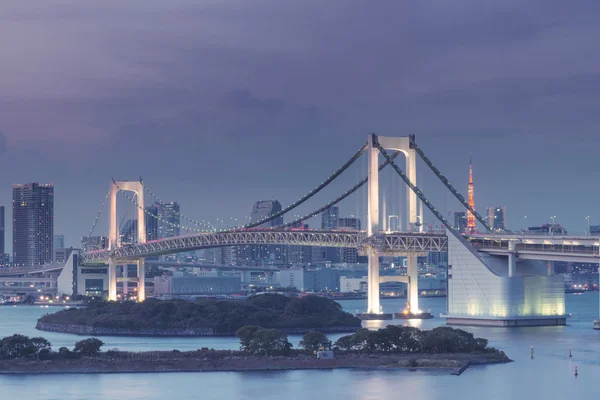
(88, 347)
(255, 340)
(314, 341)
(17, 346)
(404, 339)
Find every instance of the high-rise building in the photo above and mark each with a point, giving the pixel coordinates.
(1, 230)
(264, 209)
(460, 221)
(33, 224)
(59, 241)
(497, 218)
(90, 243)
(349, 223)
(129, 232)
(471, 224)
(330, 217)
(168, 220)
(4, 260)
(151, 217)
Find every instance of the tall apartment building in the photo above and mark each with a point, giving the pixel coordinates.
(33, 223)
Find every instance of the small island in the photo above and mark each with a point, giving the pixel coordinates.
(294, 315)
(393, 347)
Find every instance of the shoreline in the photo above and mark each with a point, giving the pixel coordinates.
(202, 361)
(85, 330)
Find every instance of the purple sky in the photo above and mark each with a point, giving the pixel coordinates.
(221, 103)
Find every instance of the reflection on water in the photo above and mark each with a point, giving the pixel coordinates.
(549, 375)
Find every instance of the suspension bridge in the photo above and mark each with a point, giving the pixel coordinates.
(493, 279)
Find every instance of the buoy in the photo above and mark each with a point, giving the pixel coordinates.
(570, 355)
(576, 373)
(531, 351)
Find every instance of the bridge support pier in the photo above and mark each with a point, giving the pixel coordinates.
(373, 306)
(512, 258)
(141, 276)
(550, 267)
(125, 283)
(412, 294)
(112, 279)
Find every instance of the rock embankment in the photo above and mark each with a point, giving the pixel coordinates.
(171, 332)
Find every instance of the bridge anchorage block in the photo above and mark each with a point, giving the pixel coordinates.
(375, 317)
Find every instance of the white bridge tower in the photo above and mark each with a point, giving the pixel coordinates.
(113, 238)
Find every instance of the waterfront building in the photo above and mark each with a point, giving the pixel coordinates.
(196, 285)
(496, 217)
(33, 223)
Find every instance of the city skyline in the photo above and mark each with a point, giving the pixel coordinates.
(466, 90)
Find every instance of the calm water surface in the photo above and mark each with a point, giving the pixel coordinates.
(549, 375)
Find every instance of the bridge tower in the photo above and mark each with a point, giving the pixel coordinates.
(113, 238)
(414, 213)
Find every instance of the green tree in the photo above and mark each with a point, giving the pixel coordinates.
(40, 345)
(270, 341)
(88, 347)
(246, 334)
(315, 340)
(345, 343)
(16, 346)
(360, 338)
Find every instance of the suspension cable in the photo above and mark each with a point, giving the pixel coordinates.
(155, 216)
(446, 182)
(312, 192)
(99, 213)
(422, 197)
(206, 225)
(337, 199)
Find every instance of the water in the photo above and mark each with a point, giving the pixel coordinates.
(549, 375)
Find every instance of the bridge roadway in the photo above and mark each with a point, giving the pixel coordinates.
(393, 243)
(548, 248)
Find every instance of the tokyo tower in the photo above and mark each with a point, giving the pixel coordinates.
(471, 226)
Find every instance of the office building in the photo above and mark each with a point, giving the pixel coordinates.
(330, 218)
(151, 218)
(168, 220)
(59, 241)
(91, 243)
(264, 209)
(129, 232)
(460, 221)
(33, 224)
(61, 255)
(496, 217)
(262, 254)
(4, 260)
